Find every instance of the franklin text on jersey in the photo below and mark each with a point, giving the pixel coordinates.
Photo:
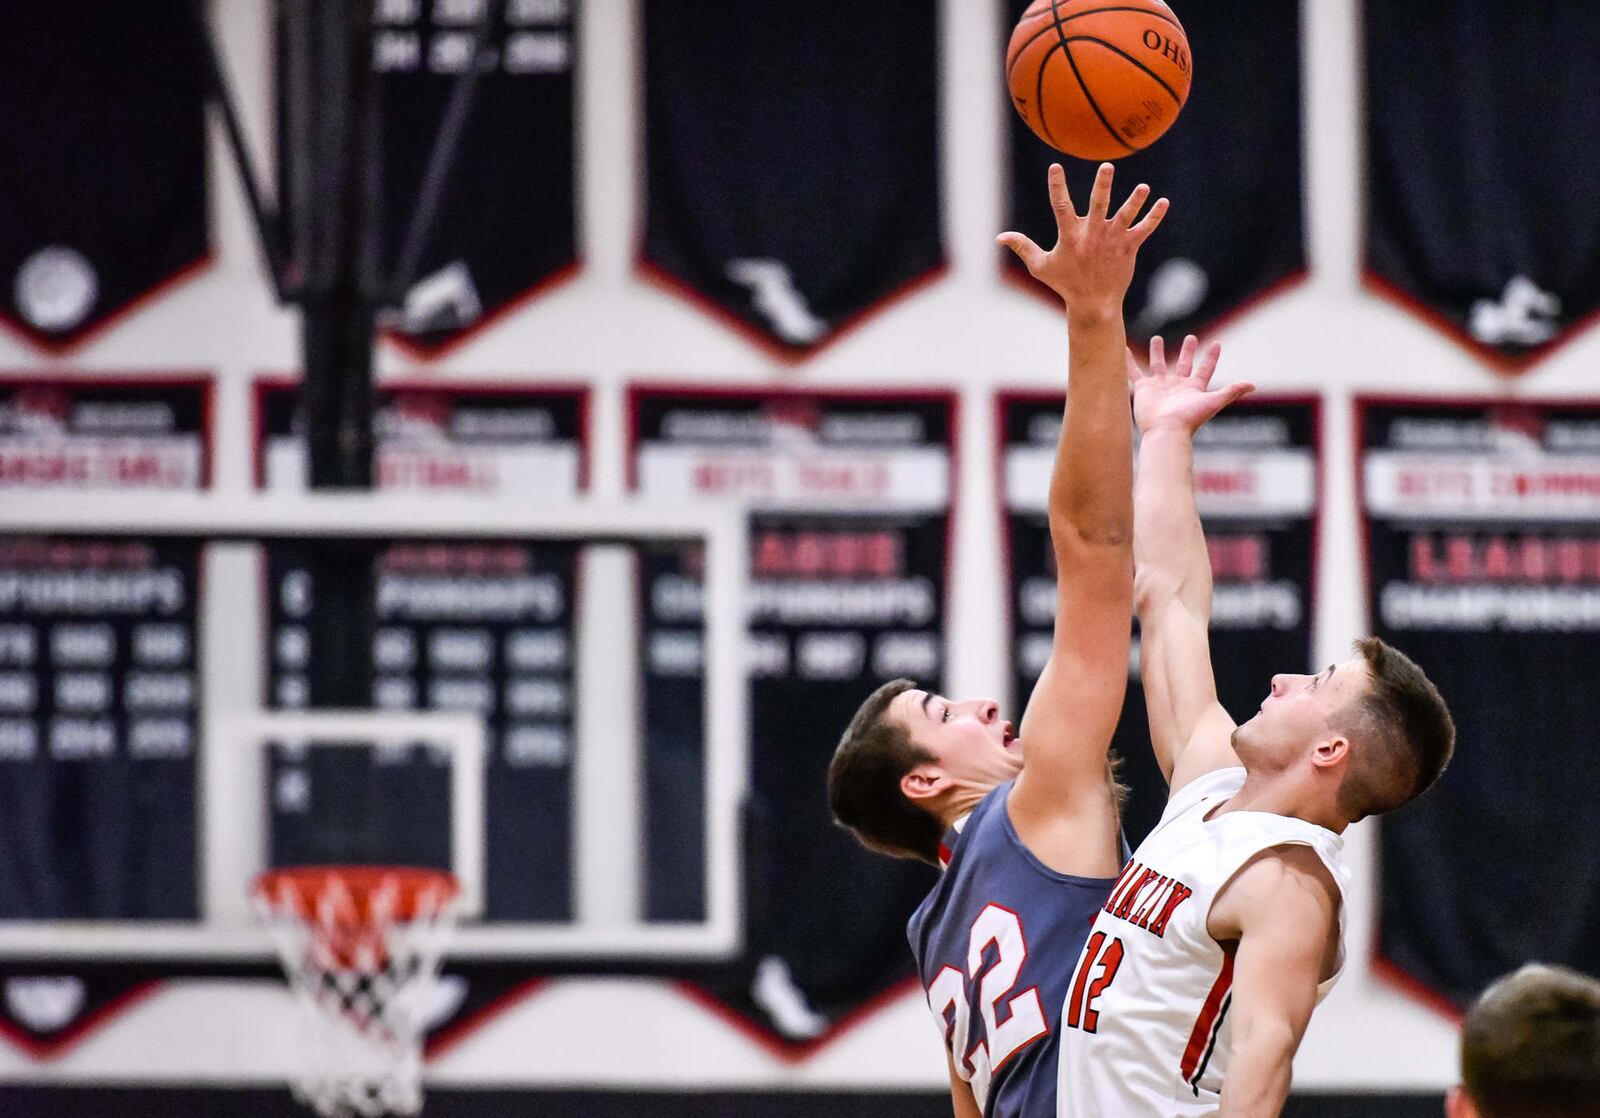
(1145, 1028)
(996, 941)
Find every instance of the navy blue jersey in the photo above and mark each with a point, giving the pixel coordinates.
(996, 942)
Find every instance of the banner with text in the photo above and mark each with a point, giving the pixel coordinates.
(459, 625)
(99, 657)
(1482, 528)
(851, 496)
(1257, 486)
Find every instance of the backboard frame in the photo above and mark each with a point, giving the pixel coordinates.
(231, 519)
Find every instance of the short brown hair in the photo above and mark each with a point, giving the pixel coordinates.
(864, 781)
(1530, 1047)
(1401, 735)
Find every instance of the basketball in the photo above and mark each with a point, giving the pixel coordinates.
(1095, 80)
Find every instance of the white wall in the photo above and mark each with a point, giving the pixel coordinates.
(969, 330)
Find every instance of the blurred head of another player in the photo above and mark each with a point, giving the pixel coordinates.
(1359, 738)
(1530, 1048)
(911, 760)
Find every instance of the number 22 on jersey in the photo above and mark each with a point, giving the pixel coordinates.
(1023, 1017)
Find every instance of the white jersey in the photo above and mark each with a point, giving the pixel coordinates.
(1145, 1029)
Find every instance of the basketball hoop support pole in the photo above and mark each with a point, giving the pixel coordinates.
(323, 244)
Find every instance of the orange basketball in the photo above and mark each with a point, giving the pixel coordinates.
(1098, 79)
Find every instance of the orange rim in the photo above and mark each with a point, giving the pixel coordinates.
(410, 891)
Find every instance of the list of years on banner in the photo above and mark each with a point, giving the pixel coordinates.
(480, 627)
(436, 36)
(849, 528)
(97, 649)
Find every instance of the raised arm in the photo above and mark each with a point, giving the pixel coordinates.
(1188, 728)
(1067, 727)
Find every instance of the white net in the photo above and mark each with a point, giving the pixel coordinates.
(362, 949)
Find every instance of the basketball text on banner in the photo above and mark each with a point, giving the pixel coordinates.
(850, 533)
(792, 156)
(126, 432)
(1482, 528)
(1231, 165)
(99, 661)
(1257, 484)
(505, 226)
(102, 162)
(481, 626)
(1470, 165)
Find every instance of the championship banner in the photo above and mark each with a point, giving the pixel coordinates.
(1257, 483)
(850, 544)
(1469, 167)
(99, 657)
(792, 162)
(99, 702)
(1482, 530)
(1236, 232)
(102, 162)
(505, 229)
(461, 625)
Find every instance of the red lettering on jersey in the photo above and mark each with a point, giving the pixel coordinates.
(1141, 918)
(1125, 906)
(1180, 893)
(1127, 875)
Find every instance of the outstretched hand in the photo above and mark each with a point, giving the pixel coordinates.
(1179, 397)
(1091, 264)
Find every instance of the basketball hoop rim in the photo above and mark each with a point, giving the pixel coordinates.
(418, 892)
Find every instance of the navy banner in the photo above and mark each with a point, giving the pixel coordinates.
(102, 161)
(1231, 165)
(1470, 165)
(1482, 528)
(792, 160)
(1257, 484)
(849, 558)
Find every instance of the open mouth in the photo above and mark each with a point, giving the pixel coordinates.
(1008, 735)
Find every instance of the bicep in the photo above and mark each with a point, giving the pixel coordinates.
(1285, 907)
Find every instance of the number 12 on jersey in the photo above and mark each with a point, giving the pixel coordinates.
(1081, 1013)
(1024, 1015)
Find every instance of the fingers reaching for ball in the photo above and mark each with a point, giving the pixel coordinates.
(1092, 262)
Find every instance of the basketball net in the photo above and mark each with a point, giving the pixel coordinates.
(361, 946)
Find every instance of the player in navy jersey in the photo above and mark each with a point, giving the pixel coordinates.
(1026, 825)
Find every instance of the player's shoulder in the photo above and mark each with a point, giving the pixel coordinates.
(1218, 784)
(1289, 884)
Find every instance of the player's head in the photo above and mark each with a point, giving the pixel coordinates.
(1530, 1048)
(908, 758)
(1370, 734)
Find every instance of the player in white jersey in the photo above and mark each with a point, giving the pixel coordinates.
(1225, 930)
